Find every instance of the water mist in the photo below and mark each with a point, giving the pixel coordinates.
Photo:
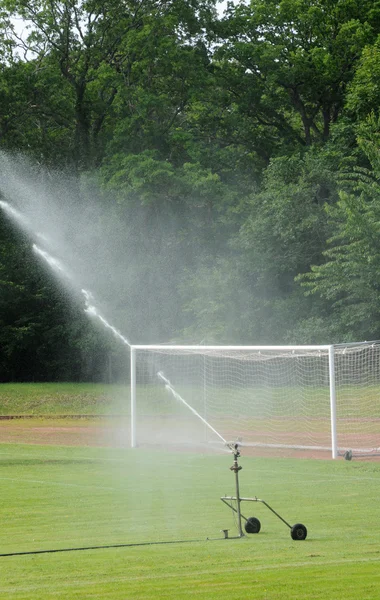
(69, 236)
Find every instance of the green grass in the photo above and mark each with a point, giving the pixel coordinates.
(63, 398)
(106, 399)
(61, 497)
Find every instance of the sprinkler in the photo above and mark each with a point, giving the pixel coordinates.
(252, 524)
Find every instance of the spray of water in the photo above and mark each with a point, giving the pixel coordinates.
(22, 221)
(54, 263)
(90, 309)
(15, 215)
(177, 396)
(57, 266)
(93, 311)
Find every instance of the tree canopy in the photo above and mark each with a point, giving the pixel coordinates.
(211, 177)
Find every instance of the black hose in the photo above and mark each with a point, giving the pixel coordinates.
(25, 553)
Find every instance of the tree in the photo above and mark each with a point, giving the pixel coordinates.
(285, 232)
(363, 95)
(98, 51)
(348, 278)
(287, 64)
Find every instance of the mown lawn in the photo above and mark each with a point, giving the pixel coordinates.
(57, 497)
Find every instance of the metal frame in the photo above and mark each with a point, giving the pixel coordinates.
(228, 500)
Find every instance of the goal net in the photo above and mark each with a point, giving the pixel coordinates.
(276, 397)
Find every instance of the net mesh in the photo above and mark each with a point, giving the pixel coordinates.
(263, 397)
(357, 376)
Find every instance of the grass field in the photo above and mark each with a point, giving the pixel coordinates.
(70, 496)
(63, 398)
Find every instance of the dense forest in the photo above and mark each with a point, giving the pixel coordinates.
(214, 176)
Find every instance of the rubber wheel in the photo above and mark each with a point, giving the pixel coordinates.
(252, 525)
(298, 532)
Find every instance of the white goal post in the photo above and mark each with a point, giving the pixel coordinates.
(316, 397)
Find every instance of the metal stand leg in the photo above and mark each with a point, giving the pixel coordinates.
(236, 468)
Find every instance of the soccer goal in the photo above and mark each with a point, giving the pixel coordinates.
(279, 397)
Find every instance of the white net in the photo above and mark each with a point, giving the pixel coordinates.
(357, 376)
(265, 397)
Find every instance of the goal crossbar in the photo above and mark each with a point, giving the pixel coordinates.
(202, 348)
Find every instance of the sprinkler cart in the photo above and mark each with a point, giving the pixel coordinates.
(252, 524)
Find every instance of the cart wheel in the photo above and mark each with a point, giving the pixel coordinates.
(298, 532)
(252, 525)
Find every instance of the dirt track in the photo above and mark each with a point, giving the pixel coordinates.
(111, 432)
(64, 431)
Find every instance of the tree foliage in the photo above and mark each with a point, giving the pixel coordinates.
(287, 64)
(348, 277)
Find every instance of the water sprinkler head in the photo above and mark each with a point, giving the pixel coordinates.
(234, 448)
